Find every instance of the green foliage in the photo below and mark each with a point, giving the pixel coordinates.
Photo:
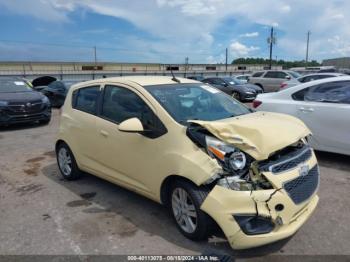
(283, 63)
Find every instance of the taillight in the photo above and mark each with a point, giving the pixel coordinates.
(256, 103)
(283, 85)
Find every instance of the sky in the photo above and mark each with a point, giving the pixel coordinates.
(168, 31)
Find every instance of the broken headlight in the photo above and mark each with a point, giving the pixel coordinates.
(229, 157)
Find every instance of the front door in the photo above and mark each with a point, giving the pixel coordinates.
(127, 158)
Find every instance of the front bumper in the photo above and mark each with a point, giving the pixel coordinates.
(7, 118)
(222, 203)
(248, 96)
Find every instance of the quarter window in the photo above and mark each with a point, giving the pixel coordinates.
(86, 99)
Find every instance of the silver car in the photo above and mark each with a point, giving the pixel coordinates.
(308, 78)
(271, 80)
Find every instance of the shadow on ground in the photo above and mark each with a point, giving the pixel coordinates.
(145, 214)
(333, 160)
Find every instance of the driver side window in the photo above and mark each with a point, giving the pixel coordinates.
(120, 104)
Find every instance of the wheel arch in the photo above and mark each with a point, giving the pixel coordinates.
(166, 186)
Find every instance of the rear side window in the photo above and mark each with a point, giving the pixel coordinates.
(334, 92)
(275, 74)
(257, 74)
(86, 99)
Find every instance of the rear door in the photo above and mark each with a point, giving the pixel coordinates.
(273, 80)
(82, 124)
(325, 109)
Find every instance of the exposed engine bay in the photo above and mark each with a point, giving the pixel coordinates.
(240, 171)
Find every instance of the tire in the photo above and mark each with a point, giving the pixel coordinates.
(203, 224)
(71, 173)
(236, 95)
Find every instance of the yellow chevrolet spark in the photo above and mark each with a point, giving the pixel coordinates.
(196, 150)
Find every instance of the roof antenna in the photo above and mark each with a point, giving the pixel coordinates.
(174, 78)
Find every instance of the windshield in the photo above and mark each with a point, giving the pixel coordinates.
(196, 102)
(232, 81)
(10, 86)
(294, 74)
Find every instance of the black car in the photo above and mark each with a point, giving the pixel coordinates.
(56, 91)
(233, 87)
(198, 78)
(19, 103)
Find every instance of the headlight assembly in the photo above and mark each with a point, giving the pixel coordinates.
(229, 157)
(45, 100)
(3, 103)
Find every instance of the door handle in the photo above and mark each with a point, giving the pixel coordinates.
(104, 133)
(306, 109)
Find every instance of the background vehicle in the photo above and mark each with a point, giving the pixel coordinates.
(242, 78)
(193, 148)
(324, 106)
(19, 103)
(271, 80)
(234, 88)
(56, 91)
(308, 78)
(198, 78)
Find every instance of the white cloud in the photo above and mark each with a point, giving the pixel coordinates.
(286, 9)
(238, 49)
(179, 24)
(253, 34)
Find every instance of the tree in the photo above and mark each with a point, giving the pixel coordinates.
(281, 62)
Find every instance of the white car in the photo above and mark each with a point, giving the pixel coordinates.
(323, 105)
(308, 78)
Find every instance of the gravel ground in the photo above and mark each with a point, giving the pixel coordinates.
(40, 213)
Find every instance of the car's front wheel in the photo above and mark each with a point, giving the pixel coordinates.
(236, 95)
(185, 202)
(66, 162)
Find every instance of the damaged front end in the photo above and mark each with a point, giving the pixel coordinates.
(258, 201)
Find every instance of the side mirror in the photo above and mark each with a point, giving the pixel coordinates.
(132, 125)
(288, 77)
(225, 84)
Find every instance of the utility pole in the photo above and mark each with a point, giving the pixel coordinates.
(226, 60)
(186, 65)
(271, 40)
(95, 60)
(307, 47)
(95, 57)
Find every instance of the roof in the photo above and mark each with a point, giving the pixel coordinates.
(142, 80)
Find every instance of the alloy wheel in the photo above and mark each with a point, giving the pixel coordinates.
(184, 210)
(65, 161)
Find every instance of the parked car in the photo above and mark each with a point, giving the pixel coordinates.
(234, 88)
(242, 78)
(56, 91)
(271, 80)
(198, 78)
(19, 103)
(308, 78)
(324, 106)
(196, 150)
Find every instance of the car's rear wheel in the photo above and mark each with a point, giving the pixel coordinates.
(185, 202)
(66, 162)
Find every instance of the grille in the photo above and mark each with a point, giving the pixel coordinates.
(16, 108)
(302, 188)
(288, 161)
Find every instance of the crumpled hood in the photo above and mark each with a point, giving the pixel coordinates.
(258, 134)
